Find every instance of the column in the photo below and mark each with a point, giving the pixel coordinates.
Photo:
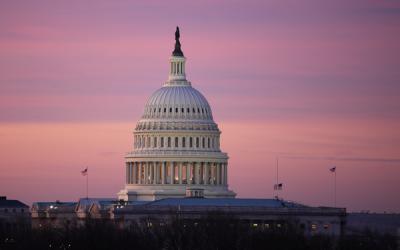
(139, 173)
(206, 178)
(163, 172)
(188, 181)
(171, 164)
(226, 174)
(217, 169)
(154, 179)
(196, 173)
(146, 173)
(127, 173)
(134, 173)
(212, 173)
(180, 173)
(130, 172)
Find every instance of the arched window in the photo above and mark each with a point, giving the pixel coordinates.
(191, 142)
(183, 142)
(169, 142)
(176, 141)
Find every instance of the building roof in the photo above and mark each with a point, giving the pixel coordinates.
(225, 202)
(12, 203)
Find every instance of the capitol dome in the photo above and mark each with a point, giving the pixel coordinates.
(176, 148)
(173, 101)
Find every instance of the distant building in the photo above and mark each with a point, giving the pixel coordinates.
(13, 214)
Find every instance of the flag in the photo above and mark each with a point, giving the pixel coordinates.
(278, 186)
(333, 169)
(84, 172)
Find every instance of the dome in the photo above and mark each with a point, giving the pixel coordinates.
(176, 144)
(178, 102)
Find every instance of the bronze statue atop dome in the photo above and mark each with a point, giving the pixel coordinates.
(177, 51)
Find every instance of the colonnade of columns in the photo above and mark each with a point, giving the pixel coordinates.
(198, 173)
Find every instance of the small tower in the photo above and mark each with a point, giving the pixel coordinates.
(177, 63)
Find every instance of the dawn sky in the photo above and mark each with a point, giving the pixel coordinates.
(315, 83)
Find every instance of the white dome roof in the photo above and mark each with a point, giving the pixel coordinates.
(172, 100)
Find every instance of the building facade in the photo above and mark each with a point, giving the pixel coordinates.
(176, 143)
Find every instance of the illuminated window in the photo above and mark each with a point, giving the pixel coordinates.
(314, 227)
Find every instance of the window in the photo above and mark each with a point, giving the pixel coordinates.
(202, 111)
(159, 110)
(176, 110)
(169, 142)
(162, 142)
(194, 111)
(165, 110)
(155, 110)
(188, 110)
(208, 142)
(176, 141)
(203, 143)
(197, 142)
(155, 142)
(198, 110)
(191, 142)
(183, 110)
(314, 227)
(183, 142)
(148, 142)
(170, 110)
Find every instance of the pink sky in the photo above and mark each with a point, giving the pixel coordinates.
(312, 82)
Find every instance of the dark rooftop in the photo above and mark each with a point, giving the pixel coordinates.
(11, 203)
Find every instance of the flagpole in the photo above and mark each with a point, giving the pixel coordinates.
(335, 188)
(87, 184)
